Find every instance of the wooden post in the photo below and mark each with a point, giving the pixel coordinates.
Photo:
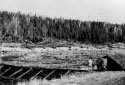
(15, 73)
(36, 74)
(1, 67)
(50, 74)
(67, 73)
(5, 71)
(24, 73)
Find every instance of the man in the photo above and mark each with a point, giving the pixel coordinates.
(105, 60)
(90, 63)
(26, 43)
(99, 63)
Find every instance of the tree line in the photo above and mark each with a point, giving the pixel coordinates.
(17, 27)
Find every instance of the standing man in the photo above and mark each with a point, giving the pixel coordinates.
(105, 60)
(99, 63)
(26, 42)
(90, 63)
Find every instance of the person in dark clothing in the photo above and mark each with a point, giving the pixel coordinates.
(99, 63)
(26, 43)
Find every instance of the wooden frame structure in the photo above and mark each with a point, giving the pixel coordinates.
(41, 71)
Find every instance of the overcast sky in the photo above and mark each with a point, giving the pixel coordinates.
(112, 11)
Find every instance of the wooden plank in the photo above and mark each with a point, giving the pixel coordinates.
(5, 77)
(1, 67)
(5, 71)
(36, 74)
(15, 73)
(50, 74)
(24, 73)
(67, 73)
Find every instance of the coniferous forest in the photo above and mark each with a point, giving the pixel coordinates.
(17, 27)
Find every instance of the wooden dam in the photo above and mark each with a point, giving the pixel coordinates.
(18, 72)
(27, 70)
(48, 67)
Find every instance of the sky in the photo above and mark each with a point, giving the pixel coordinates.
(112, 11)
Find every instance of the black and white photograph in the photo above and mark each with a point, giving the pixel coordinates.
(62, 42)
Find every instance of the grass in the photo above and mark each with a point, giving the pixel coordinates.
(96, 78)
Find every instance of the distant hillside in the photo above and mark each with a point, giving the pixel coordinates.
(17, 27)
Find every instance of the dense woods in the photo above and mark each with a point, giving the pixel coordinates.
(17, 27)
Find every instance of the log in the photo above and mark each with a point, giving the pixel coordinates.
(67, 73)
(36, 74)
(50, 74)
(5, 71)
(15, 73)
(1, 67)
(24, 73)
